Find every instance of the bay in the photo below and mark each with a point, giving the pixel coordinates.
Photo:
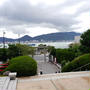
(55, 44)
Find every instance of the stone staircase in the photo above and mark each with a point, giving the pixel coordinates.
(57, 81)
(7, 84)
(55, 76)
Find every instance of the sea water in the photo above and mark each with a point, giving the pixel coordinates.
(55, 44)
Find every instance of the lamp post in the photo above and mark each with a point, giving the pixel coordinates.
(19, 43)
(3, 39)
(19, 38)
(44, 55)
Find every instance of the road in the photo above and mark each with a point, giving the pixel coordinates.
(45, 66)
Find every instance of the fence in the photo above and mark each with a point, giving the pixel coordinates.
(84, 67)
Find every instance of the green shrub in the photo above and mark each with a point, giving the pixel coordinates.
(78, 62)
(64, 54)
(63, 63)
(23, 65)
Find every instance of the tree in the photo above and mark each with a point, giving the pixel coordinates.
(32, 51)
(64, 55)
(13, 51)
(20, 50)
(3, 54)
(25, 49)
(74, 47)
(85, 42)
(52, 51)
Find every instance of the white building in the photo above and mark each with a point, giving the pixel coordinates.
(77, 39)
(6, 46)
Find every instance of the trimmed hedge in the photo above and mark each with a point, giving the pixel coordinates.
(78, 62)
(23, 65)
(64, 54)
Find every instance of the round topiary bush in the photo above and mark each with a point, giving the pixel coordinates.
(78, 62)
(23, 65)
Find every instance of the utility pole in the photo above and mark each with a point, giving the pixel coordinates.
(3, 39)
(19, 38)
(19, 43)
(44, 53)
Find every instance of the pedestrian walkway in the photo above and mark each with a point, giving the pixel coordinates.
(7, 84)
(63, 81)
(45, 66)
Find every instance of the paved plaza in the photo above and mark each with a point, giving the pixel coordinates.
(63, 81)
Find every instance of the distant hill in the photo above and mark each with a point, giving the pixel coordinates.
(25, 38)
(6, 39)
(57, 36)
(60, 36)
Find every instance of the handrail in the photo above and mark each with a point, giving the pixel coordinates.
(3, 66)
(81, 67)
(7, 63)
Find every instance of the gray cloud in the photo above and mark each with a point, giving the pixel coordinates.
(21, 12)
(17, 29)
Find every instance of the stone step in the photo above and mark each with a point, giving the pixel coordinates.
(6, 83)
(62, 81)
(56, 76)
(12, 85)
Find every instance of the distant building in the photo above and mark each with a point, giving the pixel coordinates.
(6, 46)
(77, 39)
(32, 45)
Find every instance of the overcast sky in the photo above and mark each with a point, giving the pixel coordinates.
(36, 17)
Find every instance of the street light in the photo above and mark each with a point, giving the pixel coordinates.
(3, 40)
(19, 43)
(19, 38)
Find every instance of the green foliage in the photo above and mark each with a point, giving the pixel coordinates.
(20, 50)
(52, 51)
(25, 49)
(74, 47)
(23, 65)
(13, 51)
(50, 48)
(77, 62)
(63, 62)
(42, 45)
(3, 54)
(85, 42)
(64, 54)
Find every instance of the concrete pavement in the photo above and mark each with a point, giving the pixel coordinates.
(63, 81)
(7, 84)
(45, 67)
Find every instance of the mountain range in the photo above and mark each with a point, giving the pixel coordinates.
(60, 36)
